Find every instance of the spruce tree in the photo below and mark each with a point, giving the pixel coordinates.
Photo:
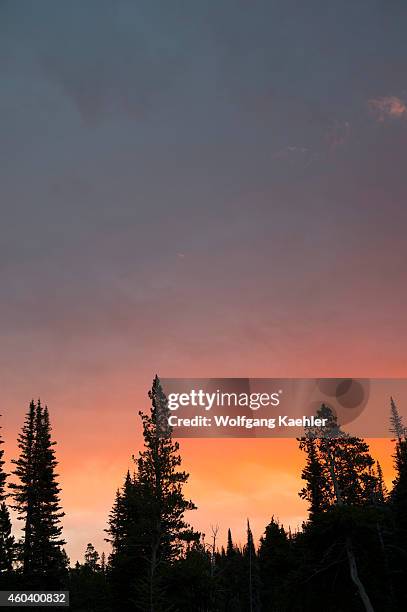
(398, 506)
(36, 498)
(3, 475)
(128, 559)
(396, 422)
(233, 577)
(315, 490)
(146, 528)
(275, 563)
(399, 492)
(92, 558)
(163, 501)
(340, 463)
(49, 514)
(252, 573)
(230, 548)
(7, 546)
(23, 491)
(347, 470)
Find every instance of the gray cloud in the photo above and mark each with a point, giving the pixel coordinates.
(108, 57)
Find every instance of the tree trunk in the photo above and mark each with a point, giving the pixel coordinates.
(355, 576)
(154, 549)
(353, 568)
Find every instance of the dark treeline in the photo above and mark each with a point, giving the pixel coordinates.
(350, 555)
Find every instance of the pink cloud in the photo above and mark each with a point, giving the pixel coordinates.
(388, 107)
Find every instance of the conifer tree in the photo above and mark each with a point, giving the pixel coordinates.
(253, 575)
(7, 546)
(161, 484)
(233, 577)
(398, 504)
(381, 493)
(341, 463)
(3, 475)
(396, 422)
(347, 468)
(399, 492)
(275, 563)
(103, 563)
(127, 561)
(49, 529)
(23, 492)
(315, 490)
(92, 558)
(36, 497)
(230, 547)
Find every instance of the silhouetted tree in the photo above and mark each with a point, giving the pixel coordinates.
(316, 488)
(252, 573)
(87, 585)
(128, 559)
(275, 563)
(347, 470)
(396, 422)
(163, 501)
(24, 491)
(92, 558)
(36, 499)
(7, 545)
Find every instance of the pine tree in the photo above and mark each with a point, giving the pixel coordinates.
(233, 577)
(399, 492)
(398, 505)
(92, 558)
(275, 564)
(103, 563)
(3, 475)
(340, 463)
(161, 484)
(230, 548)
(7, 546)
(315, 491)
(347, 467)
(48, 541)
(36, 497)
(381, 493)
(396, 422)
(23, 492)
(253, 575)
(127, 561)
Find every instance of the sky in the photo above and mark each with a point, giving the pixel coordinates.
(196, 189)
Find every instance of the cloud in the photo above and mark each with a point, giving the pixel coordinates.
(388, 107)
(338, 134)
(107, 58)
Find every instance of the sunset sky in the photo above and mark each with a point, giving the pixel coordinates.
(196, 189)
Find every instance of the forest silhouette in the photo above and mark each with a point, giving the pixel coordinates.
(349, 556)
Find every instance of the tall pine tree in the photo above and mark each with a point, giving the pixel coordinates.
(7, 546)
(36, 499)
(161, 488)
(24, 490)
(345, 471)
(399, 493)
(128, 559)
(147, 529)
(252, 573)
